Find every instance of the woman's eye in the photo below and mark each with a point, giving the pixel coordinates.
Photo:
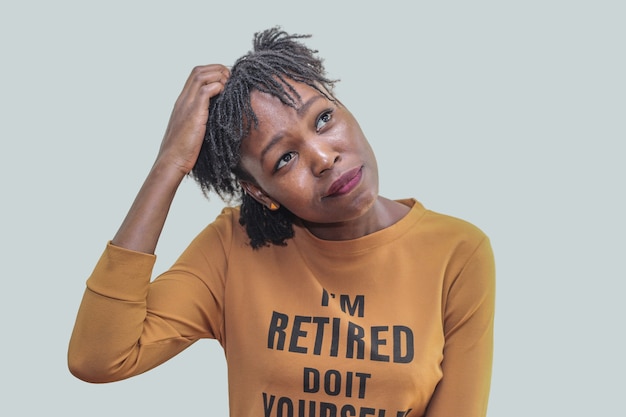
(323, 119)
(284, 160)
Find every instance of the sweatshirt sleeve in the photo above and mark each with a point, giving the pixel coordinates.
(468, 351)
(127, 324)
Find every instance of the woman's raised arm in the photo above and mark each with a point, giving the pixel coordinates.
(113, 316)
(177, 155)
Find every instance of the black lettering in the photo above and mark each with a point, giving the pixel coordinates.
(349, 377)
(311, 380)
(359, 303)
(376, 342)
(332, 382)
(403, 413)
(319, 334)
(348, 409)
(267, 406)
(324, 298)
(409, 352)
(362, 381)
(383, 343)
(301, 408)
(355, 337)
(296, 333)
(365, 411)
(284, 403)
(328, 410)
(278, 324)
(334, 346)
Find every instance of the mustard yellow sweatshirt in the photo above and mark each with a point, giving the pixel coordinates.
(396, 323)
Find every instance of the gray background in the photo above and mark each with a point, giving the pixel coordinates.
(507, 114)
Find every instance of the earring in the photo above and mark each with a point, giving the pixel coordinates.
(273, 206)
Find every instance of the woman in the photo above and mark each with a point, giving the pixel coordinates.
(328, 299)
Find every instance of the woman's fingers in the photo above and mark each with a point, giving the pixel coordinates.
(205, 75)
(187, 125)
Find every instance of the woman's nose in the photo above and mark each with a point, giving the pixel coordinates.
(323, 156)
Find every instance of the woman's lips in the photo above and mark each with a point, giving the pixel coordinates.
(345, 183)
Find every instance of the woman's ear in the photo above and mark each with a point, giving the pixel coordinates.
(259, 195)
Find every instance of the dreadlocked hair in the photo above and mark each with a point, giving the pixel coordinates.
(276, 58)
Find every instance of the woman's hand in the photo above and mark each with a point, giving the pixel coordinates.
(187, 125)
(179, 151)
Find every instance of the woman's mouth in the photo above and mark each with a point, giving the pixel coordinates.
(345, 183)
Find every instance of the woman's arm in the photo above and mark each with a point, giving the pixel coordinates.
(116, 335)
(468, 351)
(179, 151)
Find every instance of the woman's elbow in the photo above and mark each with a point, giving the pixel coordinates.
(87, 369)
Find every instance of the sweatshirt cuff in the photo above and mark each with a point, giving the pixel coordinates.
(122, 274)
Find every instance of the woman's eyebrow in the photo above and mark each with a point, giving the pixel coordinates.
(300, 111)
(305, 107)
(271, 143)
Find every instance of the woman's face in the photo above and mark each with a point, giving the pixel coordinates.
(313, 159)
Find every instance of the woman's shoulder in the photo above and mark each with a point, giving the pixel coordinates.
(443, 224)
(225, 227)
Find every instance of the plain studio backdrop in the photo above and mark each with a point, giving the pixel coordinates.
(507, 114)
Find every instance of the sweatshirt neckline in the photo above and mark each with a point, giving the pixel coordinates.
(305, 239)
